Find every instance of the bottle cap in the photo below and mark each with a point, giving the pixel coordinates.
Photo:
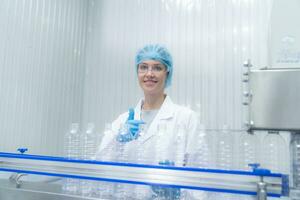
(22, 150)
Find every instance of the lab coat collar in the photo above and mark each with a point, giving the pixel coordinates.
(165, 112)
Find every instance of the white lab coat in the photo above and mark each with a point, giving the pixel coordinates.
(169, 113)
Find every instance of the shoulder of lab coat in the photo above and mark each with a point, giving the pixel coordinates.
(168, 112)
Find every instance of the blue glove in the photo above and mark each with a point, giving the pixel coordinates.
(131, 133)
(133, 126)
(164, 191)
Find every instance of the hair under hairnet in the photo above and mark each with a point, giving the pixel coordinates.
(159, 53)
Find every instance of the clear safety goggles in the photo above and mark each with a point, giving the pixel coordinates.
(144, 68)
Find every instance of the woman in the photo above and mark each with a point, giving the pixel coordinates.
(154, 68)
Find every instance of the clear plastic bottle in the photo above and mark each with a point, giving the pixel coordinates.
(72, 142)
(200, 157)
(105, 189)
(248, 145)
(248, 150)
(295, 153)
(141, 191)
(295, 150)
(162, 153)
(88, 141)
(121, 150)
(167, 153)
(72, 151)
(224, 149)
(121, 189)
(180, 145)
(274, 152)
(224, 158)
(139, 154)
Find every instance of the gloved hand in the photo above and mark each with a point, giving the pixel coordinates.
(132, 128)
(164, 192)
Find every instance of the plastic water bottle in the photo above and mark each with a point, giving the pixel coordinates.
(120, 189)
(105, 189)
(295, 150)
(224, 149)
(140, 156)
(121, 150)
(141, 191)
(71, 143)
(162, 151)
(275, 154)
(88, 141)
(247, 154)
(180, 142)
(295, 153)
(71, 151)
(224, 158)
(200, 157)
(248, 150)
(167, 154)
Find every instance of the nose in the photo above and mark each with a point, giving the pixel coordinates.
(149, 72)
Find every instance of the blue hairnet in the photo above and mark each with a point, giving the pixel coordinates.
(158, 53)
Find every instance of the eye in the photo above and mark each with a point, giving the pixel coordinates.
(143, 67)
(158, 68)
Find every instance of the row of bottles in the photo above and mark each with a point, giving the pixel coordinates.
(219, 153)
(231, 150)
(228, 150)
(271, 151)
(80, 145)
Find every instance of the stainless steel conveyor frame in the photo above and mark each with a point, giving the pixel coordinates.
(257, 182)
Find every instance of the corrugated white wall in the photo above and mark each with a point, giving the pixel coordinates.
(47, 82)
(42, 47)
(209, 41)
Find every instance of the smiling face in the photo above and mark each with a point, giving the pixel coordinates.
(152, 77)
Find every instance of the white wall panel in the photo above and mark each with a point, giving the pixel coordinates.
(41, 72)
(209, 41)
(43, 65)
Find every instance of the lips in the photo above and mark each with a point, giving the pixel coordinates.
(150, 82)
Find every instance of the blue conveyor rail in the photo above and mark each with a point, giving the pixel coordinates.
(212, 180)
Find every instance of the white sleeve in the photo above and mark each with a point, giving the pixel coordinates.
(109, 138)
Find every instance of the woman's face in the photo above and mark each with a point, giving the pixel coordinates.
(152, 77)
